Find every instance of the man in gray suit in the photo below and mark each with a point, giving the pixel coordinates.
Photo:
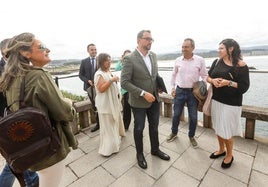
(138, 77)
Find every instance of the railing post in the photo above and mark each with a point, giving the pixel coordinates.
(250, 128)
(168, 110)
(92, 116)
(57, 81)
(207, 121)
(83, 108)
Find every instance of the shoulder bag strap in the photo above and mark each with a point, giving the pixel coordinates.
(21, 98)
(19, 176)
(214, 64)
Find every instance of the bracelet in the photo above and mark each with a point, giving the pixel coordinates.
(110, 80)
(230, 84)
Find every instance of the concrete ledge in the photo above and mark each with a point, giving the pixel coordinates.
(251, 113)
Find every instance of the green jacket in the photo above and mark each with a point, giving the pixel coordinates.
(118, 67)
(42, 92)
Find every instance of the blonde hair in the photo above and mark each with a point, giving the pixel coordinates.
(17, 65)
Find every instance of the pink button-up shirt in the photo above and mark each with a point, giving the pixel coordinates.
(188, 71)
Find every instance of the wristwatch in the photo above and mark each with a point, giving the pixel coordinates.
(230, 84)
(142, 93)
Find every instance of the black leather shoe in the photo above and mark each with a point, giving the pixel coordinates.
(160, 154)
(141, 161)
(227, 165)
(213, 156)
(97, 127)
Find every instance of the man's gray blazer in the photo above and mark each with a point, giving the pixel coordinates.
(135, 77)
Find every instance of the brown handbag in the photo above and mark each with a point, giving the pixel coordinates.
(26, 136)
(200, 93)
(207, 104)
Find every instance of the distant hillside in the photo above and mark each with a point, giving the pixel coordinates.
(64, 62)
(261, 47)
(246, 51)
(206, 53)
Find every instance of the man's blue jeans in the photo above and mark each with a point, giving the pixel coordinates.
(184, 96)
(7, 178)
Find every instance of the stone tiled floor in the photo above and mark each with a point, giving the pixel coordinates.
(187, 167)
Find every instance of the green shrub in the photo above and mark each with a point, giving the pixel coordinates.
(73, 97)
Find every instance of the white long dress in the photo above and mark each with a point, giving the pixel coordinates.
(109, 110)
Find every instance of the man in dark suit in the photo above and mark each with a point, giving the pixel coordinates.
(138, 77)
(87, 70)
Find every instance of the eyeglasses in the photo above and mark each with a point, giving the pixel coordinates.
(42, 47)
(148, 39)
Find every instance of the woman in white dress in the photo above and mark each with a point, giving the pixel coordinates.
(109, 107)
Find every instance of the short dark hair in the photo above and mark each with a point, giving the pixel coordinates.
(90, 45)
(126, 51)
(140, 34)
(191, 40)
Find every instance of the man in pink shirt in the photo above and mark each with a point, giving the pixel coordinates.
(187, 70)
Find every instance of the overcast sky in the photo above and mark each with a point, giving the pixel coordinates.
(67, 26)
